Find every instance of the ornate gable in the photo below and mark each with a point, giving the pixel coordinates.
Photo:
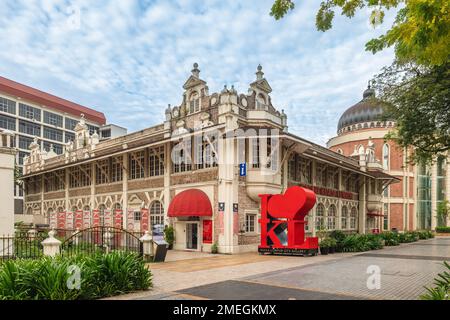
(261, 83)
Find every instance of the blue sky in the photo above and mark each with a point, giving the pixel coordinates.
(129, 59)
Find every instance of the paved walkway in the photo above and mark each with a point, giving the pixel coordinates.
(405, 270)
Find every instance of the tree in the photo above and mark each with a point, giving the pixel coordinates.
(418, 99)
(416, 87)
(443, 211)
(420, 33)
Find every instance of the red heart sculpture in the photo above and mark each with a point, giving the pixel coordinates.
(294, 203)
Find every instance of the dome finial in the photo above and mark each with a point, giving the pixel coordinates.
(195, 71)
(369, 92)
(259, 73)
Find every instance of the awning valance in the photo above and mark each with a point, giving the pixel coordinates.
(192, 202)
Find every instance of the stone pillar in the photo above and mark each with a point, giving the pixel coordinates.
(66, 189)
(7, 164)
(51, 245)
(362, 205)
(147, 242)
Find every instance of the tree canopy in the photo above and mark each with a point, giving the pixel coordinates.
(416, 87)
(418, 98)
(420, 33)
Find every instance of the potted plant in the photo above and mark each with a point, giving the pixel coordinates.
(214, 248)
(169, 236)
(324, 246)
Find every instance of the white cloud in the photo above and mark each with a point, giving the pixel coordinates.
(129, 59)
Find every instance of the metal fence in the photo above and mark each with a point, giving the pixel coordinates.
(21, 246)
(99, 239)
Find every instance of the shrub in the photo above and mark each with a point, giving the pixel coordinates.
(441, 291)
(214, 248)
(169, 235)
(390, 238)
(101, 275)
(339, 237)
(443, 229)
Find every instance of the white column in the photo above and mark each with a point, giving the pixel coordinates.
(312, 226)
(125, 190)
(66, 188)
(7, 156)
(93, 181)
(362, 205)
(167, 171)
(339, 208)
(433, 196)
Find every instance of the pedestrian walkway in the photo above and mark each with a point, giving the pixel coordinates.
(404, 271)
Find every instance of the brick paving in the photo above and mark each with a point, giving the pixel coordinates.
(405, 270)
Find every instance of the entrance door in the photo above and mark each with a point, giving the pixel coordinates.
(192, 236)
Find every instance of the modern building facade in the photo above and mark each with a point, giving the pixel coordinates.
(408, 205)
(30, 113)
(202, 171)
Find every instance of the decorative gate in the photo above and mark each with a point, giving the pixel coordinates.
(101, 239)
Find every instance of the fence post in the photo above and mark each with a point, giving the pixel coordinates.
(147, 240)
(51, 244)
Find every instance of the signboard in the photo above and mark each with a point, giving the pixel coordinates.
(207, 231)
(79, 219)
(107, 218)
(242, 169)
(95, 218)
(283, 222)
(86, 219)
(158, 232)
(144, 220)
(235, 218)
(53, 220)
(118, 217)
(130, 220)
(61, 220)
(69, 220)
(221, 217)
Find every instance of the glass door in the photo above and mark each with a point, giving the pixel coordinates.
(191, 236)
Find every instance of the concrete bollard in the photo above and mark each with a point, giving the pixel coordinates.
(147, 242)
(51, 244)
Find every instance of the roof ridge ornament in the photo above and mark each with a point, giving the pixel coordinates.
(259, 73)
(196, 70)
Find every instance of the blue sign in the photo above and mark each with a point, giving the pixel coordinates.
(243, 169)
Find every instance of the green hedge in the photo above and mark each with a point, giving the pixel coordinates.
(366, 242)
(443, 229)
(101, 275)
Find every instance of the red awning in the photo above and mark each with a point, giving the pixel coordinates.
(192, 202)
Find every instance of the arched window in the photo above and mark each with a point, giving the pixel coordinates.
(260, 102)
(331, 217)
(353, 218)
(339, 151)
(386, 156)
(156, 213)
(194, 103)
(320, 216)
(117, 206)
(344, 218)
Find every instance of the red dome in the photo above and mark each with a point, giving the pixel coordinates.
(192, 202)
